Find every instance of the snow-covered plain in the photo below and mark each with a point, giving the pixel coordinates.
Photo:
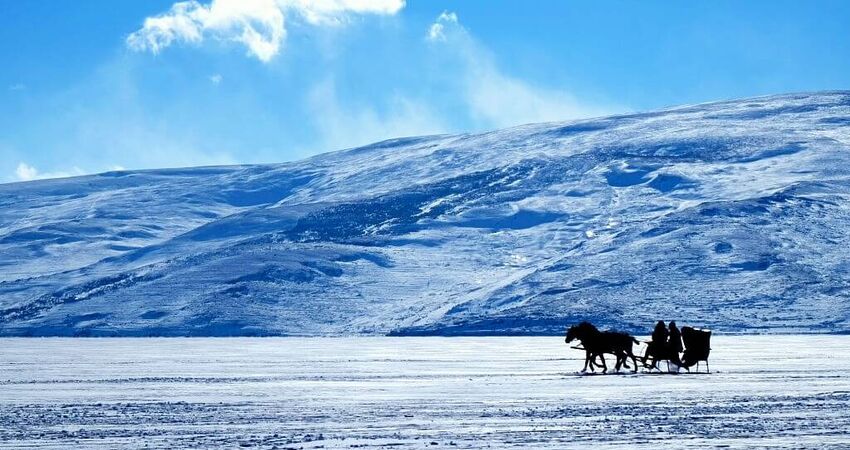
(731, 215)
(502, 392)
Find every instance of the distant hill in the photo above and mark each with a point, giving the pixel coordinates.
(731, 215)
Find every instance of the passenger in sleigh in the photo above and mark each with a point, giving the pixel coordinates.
(674, 344)
(658, 342)
(665, 345)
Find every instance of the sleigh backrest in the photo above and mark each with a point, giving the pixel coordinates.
(697, 343)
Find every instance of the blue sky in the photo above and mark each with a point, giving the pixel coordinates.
(96, 85)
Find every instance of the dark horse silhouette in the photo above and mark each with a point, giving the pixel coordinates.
(597, 342)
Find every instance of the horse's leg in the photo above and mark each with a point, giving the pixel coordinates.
(619, 362)
(623, 361)
(593, 362)
(646, 355)
(604, 366)
(586, 360)
(590, 360)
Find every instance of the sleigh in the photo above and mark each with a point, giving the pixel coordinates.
(697, 347)
(595, 343)
(697, 344)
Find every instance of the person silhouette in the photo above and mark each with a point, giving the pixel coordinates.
(675, 340)
(674, 344)
(660, 334)
(658, 344)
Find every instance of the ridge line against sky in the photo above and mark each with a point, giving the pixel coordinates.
(103, 86)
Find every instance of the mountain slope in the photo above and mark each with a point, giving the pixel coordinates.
(731, 215)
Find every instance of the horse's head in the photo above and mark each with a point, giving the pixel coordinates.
(580, 331)
(572, 334)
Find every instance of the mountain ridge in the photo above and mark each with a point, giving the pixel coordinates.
(727, 214)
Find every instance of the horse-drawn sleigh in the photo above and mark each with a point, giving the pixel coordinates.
(596, 343)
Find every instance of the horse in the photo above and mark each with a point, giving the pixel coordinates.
(597, 342)
(590, 336)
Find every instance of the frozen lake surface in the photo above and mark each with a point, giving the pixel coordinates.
(765, 391)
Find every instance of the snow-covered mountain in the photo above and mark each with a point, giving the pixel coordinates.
(731, 215)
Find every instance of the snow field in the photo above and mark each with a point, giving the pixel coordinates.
(503, 392)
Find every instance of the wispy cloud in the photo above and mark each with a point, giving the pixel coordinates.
(259, 25)
(26, 172)
(435, 31)
(18, 87)
(343, 125)
(216, 79)
(495, 98)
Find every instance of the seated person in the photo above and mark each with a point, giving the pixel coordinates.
(674, 344)
(658, 344)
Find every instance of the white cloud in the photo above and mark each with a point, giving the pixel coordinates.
(502, 101)
(436, 31)
(334, 12)
(26, 172)
(17, 87)
(496, 99)
(216, 79)
(342, 126)
(257, 24)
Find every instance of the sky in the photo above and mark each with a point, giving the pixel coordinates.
(101, 85)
